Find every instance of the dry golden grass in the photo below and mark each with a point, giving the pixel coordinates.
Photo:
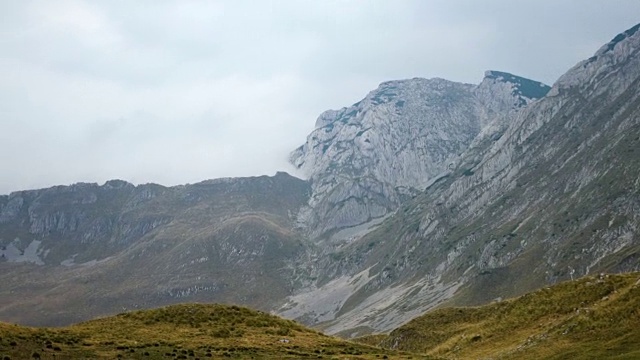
(591, 318)
(189, 331)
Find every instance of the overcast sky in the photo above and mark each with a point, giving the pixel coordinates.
(176, 92)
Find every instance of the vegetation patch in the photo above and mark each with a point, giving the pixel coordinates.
(591, 318)
(188, 331)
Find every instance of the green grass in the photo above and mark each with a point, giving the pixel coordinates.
(591, 318)
(189, 331)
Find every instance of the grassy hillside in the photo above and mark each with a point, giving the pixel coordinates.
(591, 318)
(183, 332)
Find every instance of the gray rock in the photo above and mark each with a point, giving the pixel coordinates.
(366, 159)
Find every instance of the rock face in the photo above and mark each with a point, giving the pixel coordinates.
(364, 160)
(555, 197)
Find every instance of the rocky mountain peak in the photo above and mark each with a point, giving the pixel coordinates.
(524, 89)
(118, 184)
(619, 38)
(501, 95)
(622, 48)
(386, 93)
(363, 160)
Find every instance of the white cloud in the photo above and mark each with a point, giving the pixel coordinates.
(175, 91)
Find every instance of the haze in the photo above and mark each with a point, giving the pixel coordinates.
(176, 92)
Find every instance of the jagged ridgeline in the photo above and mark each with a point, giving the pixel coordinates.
(426, 193)
(71, 253)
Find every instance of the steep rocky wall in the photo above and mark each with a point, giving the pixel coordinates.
(364, 160)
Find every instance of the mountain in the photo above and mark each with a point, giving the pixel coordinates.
(426, 193)
(366, 159)
(186, 331)
(554, 196)
(70, 253)
(585, 319)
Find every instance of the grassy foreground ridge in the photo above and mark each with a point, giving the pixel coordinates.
(590, 318)
(189, 331)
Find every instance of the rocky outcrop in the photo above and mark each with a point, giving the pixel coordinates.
(11, 208)
(366, 159)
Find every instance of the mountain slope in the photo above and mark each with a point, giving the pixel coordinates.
(72, 253)
(592, 318)
(555, 196)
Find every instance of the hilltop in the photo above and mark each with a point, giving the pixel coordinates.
(186, 331)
